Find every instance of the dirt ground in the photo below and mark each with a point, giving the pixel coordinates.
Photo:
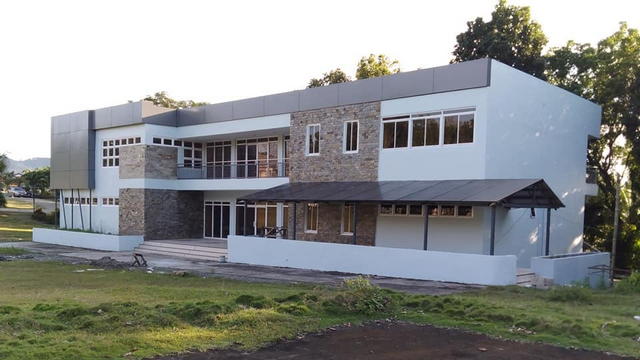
(396, 341)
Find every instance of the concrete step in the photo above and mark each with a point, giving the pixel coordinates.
(194, 250)
(165, 244)
(217, 258)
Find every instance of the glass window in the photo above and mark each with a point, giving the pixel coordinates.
(138, 140)
(167, 142)
(104, 201)
(400, 210)
(415, 209)
(386, 209)
(402, 134)
(157, 141)
(466, 128)
(311, 218)
(418, 132)
(433, 132)
(95, 201)
(347, 219)
(313, 139)
(451, 130)
(388, 139)
(447, 210)
(351, 136)
(465, 211)
(433, 210)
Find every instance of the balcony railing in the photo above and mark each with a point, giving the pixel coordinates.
(592, 175)
(248, 170)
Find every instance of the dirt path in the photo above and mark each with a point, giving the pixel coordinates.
(396, 341)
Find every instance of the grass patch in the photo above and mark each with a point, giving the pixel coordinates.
(12, 203)
(18, 226)
(56, 313)
(12, 251)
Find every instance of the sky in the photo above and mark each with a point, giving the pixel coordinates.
(58, 57)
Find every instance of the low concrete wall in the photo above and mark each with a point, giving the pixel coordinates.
(402, 263)
(568, 268)
(87, 240)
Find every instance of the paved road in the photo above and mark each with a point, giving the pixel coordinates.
(240, 271)
(46, 205)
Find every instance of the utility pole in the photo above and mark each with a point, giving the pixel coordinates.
(616, 215)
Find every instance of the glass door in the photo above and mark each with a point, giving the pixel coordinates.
(219, 160)
(216, 219)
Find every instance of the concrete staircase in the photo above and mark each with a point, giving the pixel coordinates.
(183, 249)
(525, 277)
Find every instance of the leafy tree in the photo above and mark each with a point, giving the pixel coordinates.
(3, 169)
(162, 99)
(609, 75)
(373, 66)
(36, 180)
(332, 77)
(510, 37)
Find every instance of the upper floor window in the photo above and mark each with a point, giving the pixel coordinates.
(192, 154)
(429, 129)
(313, 139)
(351, 135)
(111, 150)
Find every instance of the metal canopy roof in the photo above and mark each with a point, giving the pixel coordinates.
(509, 193)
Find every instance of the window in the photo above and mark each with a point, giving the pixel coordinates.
(66, 199)
(351, 135)
(110, 201)
(462, 211)
(424, 129)
(347, 219)
(311, 218)
(313, 139)
(94, 202)
(111, 150)
(157, 141)
(192, 154)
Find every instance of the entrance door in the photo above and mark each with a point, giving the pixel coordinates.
(259, 216)
(216, 219)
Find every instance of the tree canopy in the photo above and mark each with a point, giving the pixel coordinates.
(162, 99)
(368, 67)
(510, 37)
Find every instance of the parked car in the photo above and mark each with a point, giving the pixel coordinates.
(15, 191)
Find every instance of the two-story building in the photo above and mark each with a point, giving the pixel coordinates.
(464, 158)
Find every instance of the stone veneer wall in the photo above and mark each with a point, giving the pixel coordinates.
(330, 224)
(148, 161)
(332, 164)
(161, 214)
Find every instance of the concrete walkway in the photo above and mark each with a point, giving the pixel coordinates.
(47, 252)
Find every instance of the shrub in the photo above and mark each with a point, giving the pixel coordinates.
(363, 297)
(41, 216)
(573, 294)
(630, 284)
(3, 201)
(293, 309)
(257, 302)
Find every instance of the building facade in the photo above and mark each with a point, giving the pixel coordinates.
(137, 169)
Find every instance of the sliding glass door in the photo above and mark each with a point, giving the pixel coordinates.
(216, 219)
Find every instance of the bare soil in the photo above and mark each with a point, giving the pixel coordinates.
(396, 341)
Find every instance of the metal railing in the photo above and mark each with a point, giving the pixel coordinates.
(248, 170)
(592, 175)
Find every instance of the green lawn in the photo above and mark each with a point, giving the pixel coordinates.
(48, 311)
(12, 203)
(18, 226)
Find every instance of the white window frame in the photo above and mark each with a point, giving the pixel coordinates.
(116, 144)
(426, 115)
(308, 138)
(342, 224)
(115, 201)
(346, 141)
(439, 207)
(306, 224)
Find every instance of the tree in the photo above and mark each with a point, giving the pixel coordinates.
(3, 169)
(36, 180)
(332, 77)
(373, 66)
(162, 99)
(511, 37)
(609, 75)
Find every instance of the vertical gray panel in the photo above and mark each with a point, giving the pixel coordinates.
(60, 161)
(60, 124)
(361, 91)
(412, 83)
(192, 116)
(281, 103)
(319, 97)
(218, 112)
(124, 115)
(79, 121)
(60, 179)
(79, 179)
(102, 118)
(60, 142)
(165, 119)
(78, 160)
(78, 140)
(248, 108)
(466, 75)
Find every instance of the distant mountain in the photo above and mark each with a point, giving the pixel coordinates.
(18, 166)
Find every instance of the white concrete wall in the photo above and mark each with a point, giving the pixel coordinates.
(565, 270)
(458, 235)
(87, 240)
(403, 263)
(460, 161)
(536, 130)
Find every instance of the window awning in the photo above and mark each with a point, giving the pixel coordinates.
(508, 193)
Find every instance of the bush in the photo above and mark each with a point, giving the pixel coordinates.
(363, 297)
(630, 284)
(43, 217)
(3, 201)
(573, 294)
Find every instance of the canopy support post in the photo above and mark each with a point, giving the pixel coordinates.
(244, 223)
(493, 230)
(425, 211)
(546, 247)
(355, 222)
(295, 221)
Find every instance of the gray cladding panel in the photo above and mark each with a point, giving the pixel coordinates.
(360, 91)
(79, 160)
(79, 140)
(319, 97)
(60, 142)
(60, 124)
(248, 108)
(125, 114)
(102, 118)
(414, 83)
(60, 161)
(218, 112)
(79, 179)
(192, 116)
(467, 75)
(80, 121)
(282, 103)
(60, 179)
(165, 119)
